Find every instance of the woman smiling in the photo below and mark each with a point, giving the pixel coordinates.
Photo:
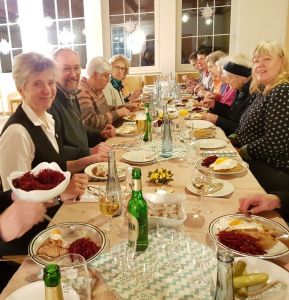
(263, 136)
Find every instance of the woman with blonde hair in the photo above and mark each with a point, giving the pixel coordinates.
(262, 136)
(113, 90)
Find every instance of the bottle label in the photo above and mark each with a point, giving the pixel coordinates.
(136, 185)
(133, 229)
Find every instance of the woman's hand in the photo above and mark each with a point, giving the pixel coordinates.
(108, 132)
(76, 187)
(258, 203)
(19, 217)
(132, 107)
(210, 117)
(133, 97)
(208, 102)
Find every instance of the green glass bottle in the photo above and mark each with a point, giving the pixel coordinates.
(52, 281)
(148, 129)
(137, 214)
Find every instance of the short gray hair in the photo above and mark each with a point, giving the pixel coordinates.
(98, 64)
(58, 51)
(27, 63)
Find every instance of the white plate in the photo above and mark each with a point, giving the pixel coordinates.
(257, 265)
(226, 190)
(129, 118)
(31, 291)
(40, 195)
(199, 124)
(70, 232)
(244, 167)
(278, 250)
(121, 170)
(140, 156)
(126, 130)
(212, 143)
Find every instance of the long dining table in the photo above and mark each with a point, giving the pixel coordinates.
(89, 212)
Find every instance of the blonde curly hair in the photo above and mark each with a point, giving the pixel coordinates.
(272, 49)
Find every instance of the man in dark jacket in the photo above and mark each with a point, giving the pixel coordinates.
(78, 141)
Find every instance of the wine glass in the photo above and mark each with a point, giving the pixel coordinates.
(109, 205)
(74, 277)
(203, 180)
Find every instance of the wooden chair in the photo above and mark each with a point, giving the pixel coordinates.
(149, 79)
(14, 99)
(180, 76)
(132, 83)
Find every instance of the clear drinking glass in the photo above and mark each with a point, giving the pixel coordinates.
(203, 180)
(108, 205)
(74, 277)
(140, 119)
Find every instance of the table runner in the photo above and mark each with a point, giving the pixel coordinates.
(167, 282)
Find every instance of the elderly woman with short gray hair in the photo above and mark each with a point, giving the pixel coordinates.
(95, 111)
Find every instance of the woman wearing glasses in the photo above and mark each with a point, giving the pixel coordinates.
(113, 90)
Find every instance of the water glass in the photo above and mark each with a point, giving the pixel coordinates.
(74, 277)
(192, 151)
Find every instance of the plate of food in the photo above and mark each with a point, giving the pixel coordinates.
(204, 133)
(254, 236)
(126, 130)
(275, 283)
(99, 170)
(220, 188)
(130, 118)
(212, 143)
(199, 124)
(223, 165)
(55, 241)
(43, 183)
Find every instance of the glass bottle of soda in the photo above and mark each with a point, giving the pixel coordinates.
(148, 129)
(52, 281)
(137, 214)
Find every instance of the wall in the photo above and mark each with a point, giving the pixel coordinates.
(256, 20)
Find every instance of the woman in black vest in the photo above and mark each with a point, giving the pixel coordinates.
(29, 136)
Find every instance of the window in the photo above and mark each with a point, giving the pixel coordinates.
(205, 24)
(132, 28)
(10, 37)
(64, 22)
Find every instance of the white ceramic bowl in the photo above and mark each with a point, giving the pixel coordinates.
(40, 195)
(162, 197)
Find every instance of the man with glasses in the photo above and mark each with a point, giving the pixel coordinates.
(78, 141)
(95, 111)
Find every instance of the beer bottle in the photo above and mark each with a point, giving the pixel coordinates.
(137, 214)
(52, 281)
(148, 129)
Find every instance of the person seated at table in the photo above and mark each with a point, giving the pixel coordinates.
(262, 137)
(205, 79)
(257, 203)
(78, 141)
(29, 137)
(113, 90)
(238, 75)
(211, 60)
(95, 111)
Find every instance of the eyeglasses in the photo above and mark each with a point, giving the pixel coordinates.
(68, 70)
(119, 68)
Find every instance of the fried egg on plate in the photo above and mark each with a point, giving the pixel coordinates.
(231, 224)
(224, 163)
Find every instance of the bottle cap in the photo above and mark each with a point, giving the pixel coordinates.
(51, 275)
(136, 173)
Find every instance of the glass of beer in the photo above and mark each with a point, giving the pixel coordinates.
(140, 123)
